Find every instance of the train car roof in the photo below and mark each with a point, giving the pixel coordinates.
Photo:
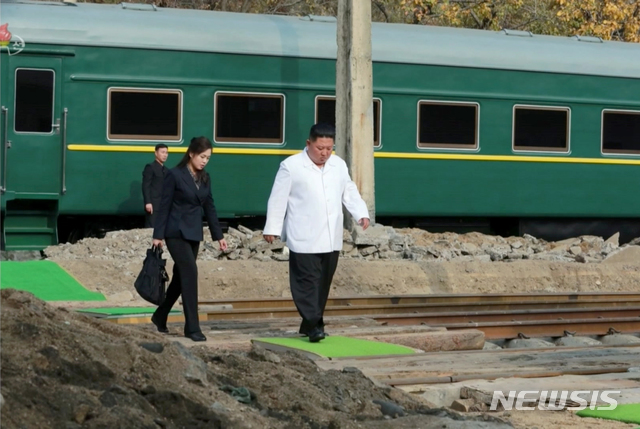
(131, 25)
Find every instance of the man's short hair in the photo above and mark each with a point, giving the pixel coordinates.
(161, 146)
(322, 129)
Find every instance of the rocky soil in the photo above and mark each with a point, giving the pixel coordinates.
(378, 242)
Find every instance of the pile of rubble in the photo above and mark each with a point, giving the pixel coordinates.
(378, 242)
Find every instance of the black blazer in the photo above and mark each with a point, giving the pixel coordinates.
(180, 211)
(152, 178)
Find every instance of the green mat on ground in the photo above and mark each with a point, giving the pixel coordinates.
(122, 311)
(627, 413)
(46, 280)
(333, 347)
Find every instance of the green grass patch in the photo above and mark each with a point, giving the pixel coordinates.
(333, 347)
(627, 413)
(46, 280)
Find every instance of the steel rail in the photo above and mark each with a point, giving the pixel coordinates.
(430, 299)
(419, 309)
(509, 316)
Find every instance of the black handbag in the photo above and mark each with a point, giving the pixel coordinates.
(153, 278)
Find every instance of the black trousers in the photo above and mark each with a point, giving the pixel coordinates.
(310, 276)
(184, 281)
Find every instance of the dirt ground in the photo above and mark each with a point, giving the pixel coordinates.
(250, 278)
(110, 266)
(61, 369)
(558, 420)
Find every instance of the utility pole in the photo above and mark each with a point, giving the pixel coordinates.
(354, 97)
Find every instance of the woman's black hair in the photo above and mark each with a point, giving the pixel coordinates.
(196, 147)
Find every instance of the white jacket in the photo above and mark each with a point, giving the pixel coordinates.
(305, 206)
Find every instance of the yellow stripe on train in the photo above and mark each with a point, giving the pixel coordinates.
(395, 155)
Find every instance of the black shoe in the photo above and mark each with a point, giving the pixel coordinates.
(196, 336)
(316, 335)
(306, 333)
(162, 327)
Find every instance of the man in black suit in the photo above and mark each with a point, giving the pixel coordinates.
(152, 179)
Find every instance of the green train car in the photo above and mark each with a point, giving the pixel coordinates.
(506, 130)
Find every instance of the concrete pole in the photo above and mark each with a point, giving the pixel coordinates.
(354, 97)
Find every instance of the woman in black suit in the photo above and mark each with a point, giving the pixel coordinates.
(186, 192)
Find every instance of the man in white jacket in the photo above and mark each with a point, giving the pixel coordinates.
(305, 210)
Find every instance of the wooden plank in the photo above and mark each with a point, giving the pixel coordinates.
(444, 394)
(483, 354)
(564, 382)
(468, 339)
(494, 362)
(518, 351)
(483, 391)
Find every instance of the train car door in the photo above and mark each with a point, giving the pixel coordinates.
(33, 102)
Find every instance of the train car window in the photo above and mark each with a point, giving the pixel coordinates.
(620, 131)
(249, 118)
(144, 114)
(326, 112)
(447, 125)
(541, 129)
(34, 101)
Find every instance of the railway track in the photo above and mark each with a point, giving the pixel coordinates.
(499, 316)
(514, 298)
